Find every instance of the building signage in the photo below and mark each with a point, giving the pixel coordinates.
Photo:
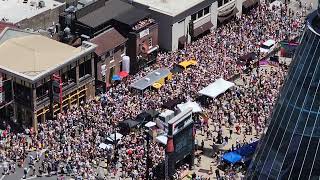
(57, 90)
(181, 121)
(144, 33)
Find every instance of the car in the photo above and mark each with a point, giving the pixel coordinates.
(267, 46)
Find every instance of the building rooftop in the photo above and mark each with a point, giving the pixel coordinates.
(14, 11)
(110, 10)
(169, 7)
(132, 16)
(31, 55)
(108, 40)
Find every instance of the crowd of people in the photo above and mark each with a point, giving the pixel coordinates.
(71, 141)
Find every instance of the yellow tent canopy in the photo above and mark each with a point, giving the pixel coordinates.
(157, 85)
(187, 63)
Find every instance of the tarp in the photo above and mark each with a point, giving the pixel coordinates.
(231, 157)
(247, 150)
(193, 105)
(162, 139)
(216, 88)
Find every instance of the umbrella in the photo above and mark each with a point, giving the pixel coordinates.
(123, 74)
(116, 78)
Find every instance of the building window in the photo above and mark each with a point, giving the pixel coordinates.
(206, 10)
(150, 42)
(200, 13)
(194, 17)
(220, 3)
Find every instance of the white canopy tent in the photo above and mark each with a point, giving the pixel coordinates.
(150, 124)
(193, 105)
(215, 89)
(114, 136)
(105, 146)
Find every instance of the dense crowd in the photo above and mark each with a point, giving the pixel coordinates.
(71, 142)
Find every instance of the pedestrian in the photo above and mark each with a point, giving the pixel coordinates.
(25, 172)
(217, 174)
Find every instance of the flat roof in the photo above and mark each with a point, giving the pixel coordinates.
(14, 11)
(150, 79)
(31, 55)
(110, 10)
(169, 7)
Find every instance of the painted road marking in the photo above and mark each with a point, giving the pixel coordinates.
(2, 177)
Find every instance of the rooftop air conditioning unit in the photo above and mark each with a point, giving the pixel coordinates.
(41, 4)
(157, 73)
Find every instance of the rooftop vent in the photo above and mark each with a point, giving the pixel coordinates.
(157, 73)
(41, 4)
(147, 79)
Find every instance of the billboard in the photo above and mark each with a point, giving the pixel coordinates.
(180, 130)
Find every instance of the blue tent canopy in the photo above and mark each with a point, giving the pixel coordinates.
(231, 157)
(116, 78)
(247, 150)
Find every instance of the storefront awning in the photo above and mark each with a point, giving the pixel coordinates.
(221, 19)
(205, 27)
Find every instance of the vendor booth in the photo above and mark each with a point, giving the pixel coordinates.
(155, 79)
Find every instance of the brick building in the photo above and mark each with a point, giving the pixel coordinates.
(31, 63)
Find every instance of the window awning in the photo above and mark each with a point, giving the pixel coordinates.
(221, 19)
(205, 27)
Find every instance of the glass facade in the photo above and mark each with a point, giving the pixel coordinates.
(291, 147)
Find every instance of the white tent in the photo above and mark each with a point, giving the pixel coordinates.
(216, 88)
(193, 105)
(150, 124)
(162, 139)
(105, 146)
(114, 136)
